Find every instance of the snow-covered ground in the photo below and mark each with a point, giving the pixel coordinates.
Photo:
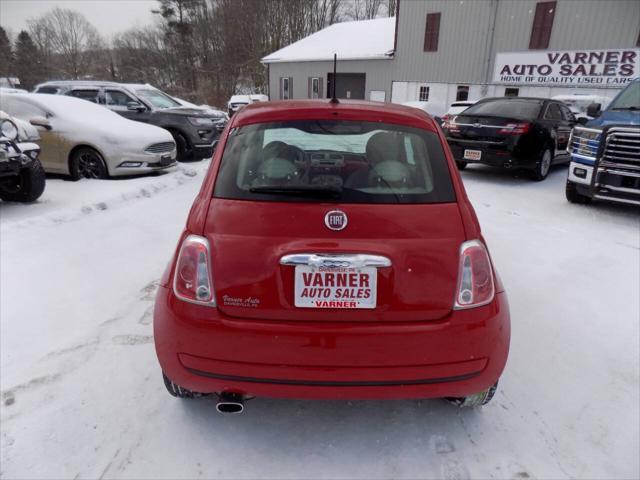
(82, 395)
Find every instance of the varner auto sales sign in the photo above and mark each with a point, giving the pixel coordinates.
(585, 68)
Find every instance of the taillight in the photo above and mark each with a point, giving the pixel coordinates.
(192, 279)
(475, 276)
(515, 128)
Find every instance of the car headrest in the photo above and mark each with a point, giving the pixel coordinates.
(381, 147)
(278, 149)
(277, 169)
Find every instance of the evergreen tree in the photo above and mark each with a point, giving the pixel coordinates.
(6, 55)
(28, 65)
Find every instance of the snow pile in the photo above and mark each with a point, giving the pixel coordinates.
(64, 200)
(361, 40)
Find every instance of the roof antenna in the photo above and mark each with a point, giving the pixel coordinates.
(334, 99)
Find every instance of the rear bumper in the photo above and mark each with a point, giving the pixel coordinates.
(205, 351)
(494, 154)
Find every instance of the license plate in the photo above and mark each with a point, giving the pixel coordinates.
(472, 155)
(341, 288)
(166, 160)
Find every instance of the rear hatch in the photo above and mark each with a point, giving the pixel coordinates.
(249, 239)
(484, 128)
(392, 200)
(494, 120)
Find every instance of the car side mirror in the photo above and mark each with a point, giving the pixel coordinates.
(582, 120)
(593, 110)
(438, 120)
(135, 107)
(40, 122)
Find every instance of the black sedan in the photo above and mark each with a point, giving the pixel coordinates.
(512, 132)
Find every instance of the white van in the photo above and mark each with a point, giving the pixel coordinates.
(578, 103)
(236, 102)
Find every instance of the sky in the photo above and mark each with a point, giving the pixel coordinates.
(108, 16)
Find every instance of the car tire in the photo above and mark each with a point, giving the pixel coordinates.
(87, 162)
(184, 153)
(476, 400)
(543, 165)
(177, 391)
(28, 186)
(572, 194)
(461, 165)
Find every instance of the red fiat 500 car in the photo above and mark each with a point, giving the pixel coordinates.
(332, 253)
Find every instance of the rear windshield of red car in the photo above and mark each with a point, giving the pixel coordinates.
(334, 161)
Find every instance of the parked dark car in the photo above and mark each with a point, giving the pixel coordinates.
(512, 132)
(194, 129)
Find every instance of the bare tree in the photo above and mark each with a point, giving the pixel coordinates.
(323, 13)
(200, 50)
(363, 9)
(391, 8)
(371, 8)
(68, 41)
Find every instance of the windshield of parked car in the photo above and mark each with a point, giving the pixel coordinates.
(506, 108)
(156, 98)
(53, 90)
(629, 98)
(340, 161)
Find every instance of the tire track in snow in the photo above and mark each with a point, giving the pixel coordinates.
(90, 347)
(166, 183)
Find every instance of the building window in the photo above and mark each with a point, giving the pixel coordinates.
(462, 93)
(423, 94)
(431, 32)
(285, 88)
(314, 87)
(542, 24)
(511, 92)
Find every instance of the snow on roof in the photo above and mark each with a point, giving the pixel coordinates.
(361, 40)
(68, 107)
(82, 119)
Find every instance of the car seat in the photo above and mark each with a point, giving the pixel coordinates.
(277, 165)
(385, 165)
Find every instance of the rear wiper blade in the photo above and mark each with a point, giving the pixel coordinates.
(299, 190)
(632, 107)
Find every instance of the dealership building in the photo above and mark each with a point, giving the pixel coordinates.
(441, 51)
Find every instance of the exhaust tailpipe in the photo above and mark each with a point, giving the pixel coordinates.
(230, 403)
(507, 165)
